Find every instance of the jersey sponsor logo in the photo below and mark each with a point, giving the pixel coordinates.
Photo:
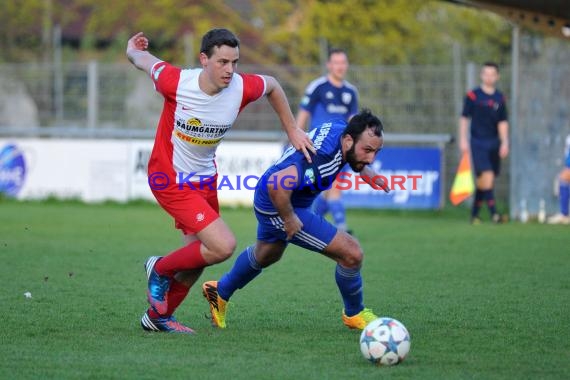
(346, 97)
(334, 108)
(329, 95)
(323, 132)
(197, 140)
(194, 131)
(12, 170)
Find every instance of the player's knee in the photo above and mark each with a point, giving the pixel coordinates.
(353, 257)
(225, 248)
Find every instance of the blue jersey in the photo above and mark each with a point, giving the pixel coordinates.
(326, 102)
(313, 177)
(485, 111)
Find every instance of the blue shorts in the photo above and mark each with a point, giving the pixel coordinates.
(316, 234)
(485, 158)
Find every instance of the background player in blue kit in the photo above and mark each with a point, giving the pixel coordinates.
(282, 204)
(327, 98)
(563, 216)
(489, 137)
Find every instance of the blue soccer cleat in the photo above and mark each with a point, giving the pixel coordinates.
(166, 324)
(157, 286)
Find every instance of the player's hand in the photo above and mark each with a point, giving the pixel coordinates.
(301, 141)
(137, 42)
(292, 225)
(504, 150)
(382, 184)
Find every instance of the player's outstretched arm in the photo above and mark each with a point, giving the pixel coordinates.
(374, 179)
(280, 104)
(138, 54)
(280, 188)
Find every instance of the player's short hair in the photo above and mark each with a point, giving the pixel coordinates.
(491, 64)
(360, 122)
(217, 37)
(336, 51)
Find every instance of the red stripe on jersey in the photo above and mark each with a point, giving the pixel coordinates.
(471, 95)
(166, 78)
(253, 89)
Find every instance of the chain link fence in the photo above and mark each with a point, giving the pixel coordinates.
(410, 99)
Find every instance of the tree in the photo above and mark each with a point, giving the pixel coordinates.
(381, 31)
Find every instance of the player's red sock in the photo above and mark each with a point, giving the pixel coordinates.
(152, 314)
(187, 257)
(176, 294)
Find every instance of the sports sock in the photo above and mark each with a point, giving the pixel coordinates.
(564, 194)
(477, 202)
(489, 197)
(187, 257)
(349, 282)
(175, 295)
(338, 213)
(320, 206)
(245, 269)
(153, 314)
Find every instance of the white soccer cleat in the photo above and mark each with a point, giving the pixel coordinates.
(559, 219)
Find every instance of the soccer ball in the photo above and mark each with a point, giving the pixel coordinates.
(385, 341)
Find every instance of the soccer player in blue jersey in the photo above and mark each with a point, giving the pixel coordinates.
(282, 205)
(326, 98)
(563, 217)
(485, 116)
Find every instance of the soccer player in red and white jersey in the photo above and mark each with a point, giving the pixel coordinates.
(200, 106)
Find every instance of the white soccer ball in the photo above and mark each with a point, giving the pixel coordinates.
(385, 341)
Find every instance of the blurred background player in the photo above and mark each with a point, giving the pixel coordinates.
(282, 205)
(563, 216)
(485, 117)
(327, 98)
(210, 97)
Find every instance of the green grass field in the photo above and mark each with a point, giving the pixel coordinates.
(480, 302)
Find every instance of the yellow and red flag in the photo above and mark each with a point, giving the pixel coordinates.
(463, 186)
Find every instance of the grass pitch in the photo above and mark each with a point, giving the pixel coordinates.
(480, 302)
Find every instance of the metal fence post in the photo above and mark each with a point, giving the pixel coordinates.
(92, 94)
(513, 124)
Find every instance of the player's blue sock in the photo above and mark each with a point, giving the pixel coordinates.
(489, 197)
(245, 269)
(349, 282)
(338, 213)
(320, 206)
(564, 194)
(477, 202)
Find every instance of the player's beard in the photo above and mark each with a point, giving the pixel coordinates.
(354, 164)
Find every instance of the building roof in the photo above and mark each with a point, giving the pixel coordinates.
(549, 16)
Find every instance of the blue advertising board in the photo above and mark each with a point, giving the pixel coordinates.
(414, 175)
(12, 170)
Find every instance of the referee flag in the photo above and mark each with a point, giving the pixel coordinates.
(463, 185)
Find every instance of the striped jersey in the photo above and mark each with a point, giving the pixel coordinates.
(193, 123)
(313, 177)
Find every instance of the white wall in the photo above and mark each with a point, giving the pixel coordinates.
(97, 170)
